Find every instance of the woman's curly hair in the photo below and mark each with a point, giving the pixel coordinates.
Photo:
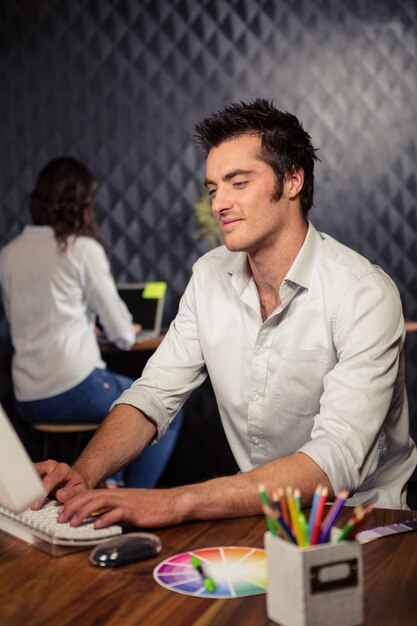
(63, 198)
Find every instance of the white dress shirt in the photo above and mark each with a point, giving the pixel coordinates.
(51, 299)
(324, 374)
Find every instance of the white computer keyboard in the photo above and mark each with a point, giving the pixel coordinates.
(41, 529)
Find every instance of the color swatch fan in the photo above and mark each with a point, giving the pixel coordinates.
(236, 572)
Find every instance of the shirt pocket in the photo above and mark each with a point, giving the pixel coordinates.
(300, 382)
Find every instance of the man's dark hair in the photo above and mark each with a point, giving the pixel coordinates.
(285, 145)
(63, 198)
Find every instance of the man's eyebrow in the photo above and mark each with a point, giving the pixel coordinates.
(229, 176)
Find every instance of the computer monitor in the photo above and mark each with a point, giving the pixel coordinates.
(20, 485)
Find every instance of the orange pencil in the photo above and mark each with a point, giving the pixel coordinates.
(281, 526)
(283, 506)
(353, 521)
(360, 522)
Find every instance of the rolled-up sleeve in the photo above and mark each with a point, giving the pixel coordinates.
(363, 387)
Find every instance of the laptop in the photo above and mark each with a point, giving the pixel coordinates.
(145, 302)
(20, 485)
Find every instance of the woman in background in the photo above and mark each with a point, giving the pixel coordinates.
(56, 281)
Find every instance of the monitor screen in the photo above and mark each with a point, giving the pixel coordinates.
(20, 485)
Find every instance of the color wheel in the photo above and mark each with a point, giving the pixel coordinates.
(236, 572)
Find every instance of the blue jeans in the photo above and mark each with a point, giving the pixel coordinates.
(89, 402)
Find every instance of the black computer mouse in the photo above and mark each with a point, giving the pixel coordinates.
(125, 549)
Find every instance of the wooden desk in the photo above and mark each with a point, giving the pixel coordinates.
(39, 590)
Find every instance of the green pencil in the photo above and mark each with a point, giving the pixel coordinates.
(357, 517)
(265, 502)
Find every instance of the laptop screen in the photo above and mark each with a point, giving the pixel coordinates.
(145, 302)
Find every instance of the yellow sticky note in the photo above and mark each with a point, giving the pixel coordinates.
(154, 291)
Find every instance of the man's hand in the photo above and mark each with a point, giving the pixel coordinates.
(141, 507)
(59, 480)
(218, 498)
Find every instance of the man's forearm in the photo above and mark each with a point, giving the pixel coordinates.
(231, 496)
(121, 437)
(235, 496)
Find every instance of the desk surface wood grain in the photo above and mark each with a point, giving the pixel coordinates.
(38, 590)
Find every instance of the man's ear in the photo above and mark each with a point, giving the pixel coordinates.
(295, 182)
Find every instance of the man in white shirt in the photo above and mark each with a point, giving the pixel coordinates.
(302, 339)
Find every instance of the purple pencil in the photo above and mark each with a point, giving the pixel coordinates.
(331, 516)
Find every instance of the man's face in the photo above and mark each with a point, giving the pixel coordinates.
(241, 187)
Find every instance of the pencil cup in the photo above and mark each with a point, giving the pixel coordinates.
(317, 586)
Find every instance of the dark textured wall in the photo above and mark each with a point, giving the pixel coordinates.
(119, 84)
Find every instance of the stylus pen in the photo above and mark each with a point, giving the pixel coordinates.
(207, 581)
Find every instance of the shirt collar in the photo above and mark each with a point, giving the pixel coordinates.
(238, 266)
(299, 272)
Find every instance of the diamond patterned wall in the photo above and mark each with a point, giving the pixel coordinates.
(119, 84)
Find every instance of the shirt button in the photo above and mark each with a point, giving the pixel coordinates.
(255, 441)
(255, 397)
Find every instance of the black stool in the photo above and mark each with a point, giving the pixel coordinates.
(49, 429)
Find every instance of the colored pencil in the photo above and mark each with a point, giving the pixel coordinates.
(275, 501)
(331, 516)
(358, 527)
(265, 501)
(297, 500)
(281, 526)
(303, 527)
(292, 507)
(283, 506)
(313, 511)
(353, 521)
(319, 514)
(286, 519)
